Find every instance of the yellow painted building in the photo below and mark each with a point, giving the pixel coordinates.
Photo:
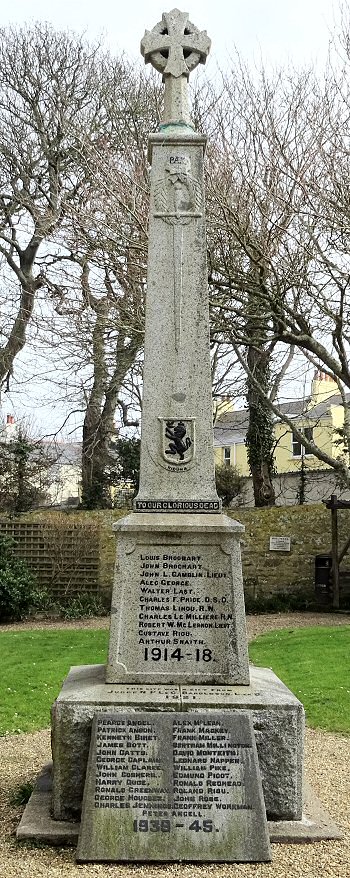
(320, 416)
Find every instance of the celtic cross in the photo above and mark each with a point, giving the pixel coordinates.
(175, 47)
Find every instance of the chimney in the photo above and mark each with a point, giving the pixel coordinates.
(10, 429)
(323, 386)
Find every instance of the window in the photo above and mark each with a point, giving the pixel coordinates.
(298, 449)
(227, 456)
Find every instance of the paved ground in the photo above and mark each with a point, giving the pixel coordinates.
(327, 769)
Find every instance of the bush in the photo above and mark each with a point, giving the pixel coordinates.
(82, 606)
(18, 586)
(228, 483)
(129, 459)
(279, 602)
(22, 794)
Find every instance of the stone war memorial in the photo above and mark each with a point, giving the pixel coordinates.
(177, 750)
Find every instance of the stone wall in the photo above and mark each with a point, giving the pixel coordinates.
(265, 572)
(309, 528)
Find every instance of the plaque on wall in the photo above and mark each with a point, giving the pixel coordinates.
(173, 787)
(279, 544)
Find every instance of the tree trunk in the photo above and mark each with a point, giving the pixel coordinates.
(98, 426)
(260, 436)
(95, 430)
(94, 460)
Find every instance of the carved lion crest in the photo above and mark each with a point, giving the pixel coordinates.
(178, 440)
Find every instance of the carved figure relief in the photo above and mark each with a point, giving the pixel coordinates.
(179, 442)
(178, 196)
(178, 200)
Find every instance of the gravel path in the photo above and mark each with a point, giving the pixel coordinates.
(262, 624)
(255, 624)
(327, 769)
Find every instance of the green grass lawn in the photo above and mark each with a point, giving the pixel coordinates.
(315, 664)
(33, 667)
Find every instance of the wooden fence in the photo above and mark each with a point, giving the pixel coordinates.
(63, 555)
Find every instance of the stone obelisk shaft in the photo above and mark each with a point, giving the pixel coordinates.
(177, 459)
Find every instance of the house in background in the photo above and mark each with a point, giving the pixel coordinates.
(65, 475)
(320, 417)
(55, 470)
(54, 467)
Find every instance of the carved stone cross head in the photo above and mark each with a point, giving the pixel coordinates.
(175, 46)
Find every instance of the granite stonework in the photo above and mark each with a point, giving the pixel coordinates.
(172, 787)
(175, 47)
(85, 693)
(178, 655)
(278, 720)
(38, 824)
(279, 725)
(177, 462)
(177, 606)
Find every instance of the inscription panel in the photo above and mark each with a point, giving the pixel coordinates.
(172, 787)
(197, 506)
(176, 619)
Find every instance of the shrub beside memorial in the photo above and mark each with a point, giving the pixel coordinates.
(18, 586)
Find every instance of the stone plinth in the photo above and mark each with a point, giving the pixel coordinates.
(84, 693)
(177, 607)
(278, 720)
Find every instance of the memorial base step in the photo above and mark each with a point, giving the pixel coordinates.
(38, 825)
(278, 720)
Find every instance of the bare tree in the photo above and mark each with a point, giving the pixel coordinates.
(49, 104)
(26, 470)
(73, 229)
(277, 271)
(73, 136)
(107, 238)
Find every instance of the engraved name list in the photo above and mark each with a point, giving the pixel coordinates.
(163, 778)
(184, 603)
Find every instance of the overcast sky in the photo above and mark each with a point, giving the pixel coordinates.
(276, 30)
